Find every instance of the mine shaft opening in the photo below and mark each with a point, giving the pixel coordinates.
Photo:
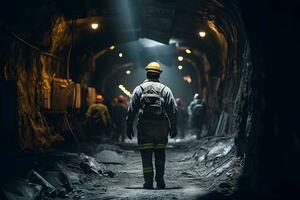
(97, 51)
(184, 76)
(206, 55)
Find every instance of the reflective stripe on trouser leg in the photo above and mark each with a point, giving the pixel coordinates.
(160, 159)
(147, 170)
(146, 146)
(160, 146)
(147, 164)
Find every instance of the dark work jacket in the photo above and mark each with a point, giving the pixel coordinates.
(98, 114)
(169, 104)
(119, 113)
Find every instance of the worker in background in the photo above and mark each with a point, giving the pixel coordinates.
(182, 117)
(155, 106)
(119, 113)
(197, 112)
(98, 119)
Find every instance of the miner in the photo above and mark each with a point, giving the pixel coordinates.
(182, 117)
(98, 119)
(155, 106)
(119, 112)
(197, 111)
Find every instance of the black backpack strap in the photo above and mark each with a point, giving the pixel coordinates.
(162, 89)
(142, 88)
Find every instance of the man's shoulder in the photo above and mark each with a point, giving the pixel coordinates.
(167, 89)
(137, 88)
(193, 103)
(153, 84)
(100, 105)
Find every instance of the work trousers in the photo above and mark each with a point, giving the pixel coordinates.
(119, 133)
(153, 138)
(160, 158)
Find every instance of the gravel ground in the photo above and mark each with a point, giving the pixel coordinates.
(187, 175)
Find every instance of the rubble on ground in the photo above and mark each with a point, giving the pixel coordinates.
(213, 160)
(21, 189)
(57, 175)
(209, 163)
(109, 157)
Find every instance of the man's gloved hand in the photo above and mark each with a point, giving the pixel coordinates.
(173, 132)
(130, 133)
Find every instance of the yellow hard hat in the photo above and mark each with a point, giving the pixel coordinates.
(153, 67)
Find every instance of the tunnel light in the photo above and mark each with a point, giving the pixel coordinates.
(128, 72)
(188, 51)
(180, 67)
(180, 58)
(112, 47)
(124, 90)
(120, 55)
(187, 78)
(202, 34)
(94, 26)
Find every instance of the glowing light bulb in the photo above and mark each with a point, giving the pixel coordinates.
(202, 34)
(94, 26)
(180, 58)
(112, 47)
(188, 51)
(180, 67)
(128, 72)
(120, 55)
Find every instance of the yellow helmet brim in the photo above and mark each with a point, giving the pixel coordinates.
(154, 70)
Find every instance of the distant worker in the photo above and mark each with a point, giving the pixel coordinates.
(182, 117)
(155, 106)
(119, 113)
(197, 112)
(98, 118)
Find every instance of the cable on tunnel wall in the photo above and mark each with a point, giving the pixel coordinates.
(31, 45)
(72, 25)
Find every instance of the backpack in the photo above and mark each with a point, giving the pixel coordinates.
(151, 100)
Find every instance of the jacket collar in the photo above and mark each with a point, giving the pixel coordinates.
(151, 80)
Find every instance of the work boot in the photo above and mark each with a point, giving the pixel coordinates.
(148, 181)
(161, 184)
(148, 185)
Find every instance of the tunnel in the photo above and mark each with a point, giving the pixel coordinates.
(61, 59)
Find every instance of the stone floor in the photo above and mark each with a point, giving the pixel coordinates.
(106, 171)
(188, 173)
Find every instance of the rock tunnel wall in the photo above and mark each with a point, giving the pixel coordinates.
(32, 69)
(230, 94)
